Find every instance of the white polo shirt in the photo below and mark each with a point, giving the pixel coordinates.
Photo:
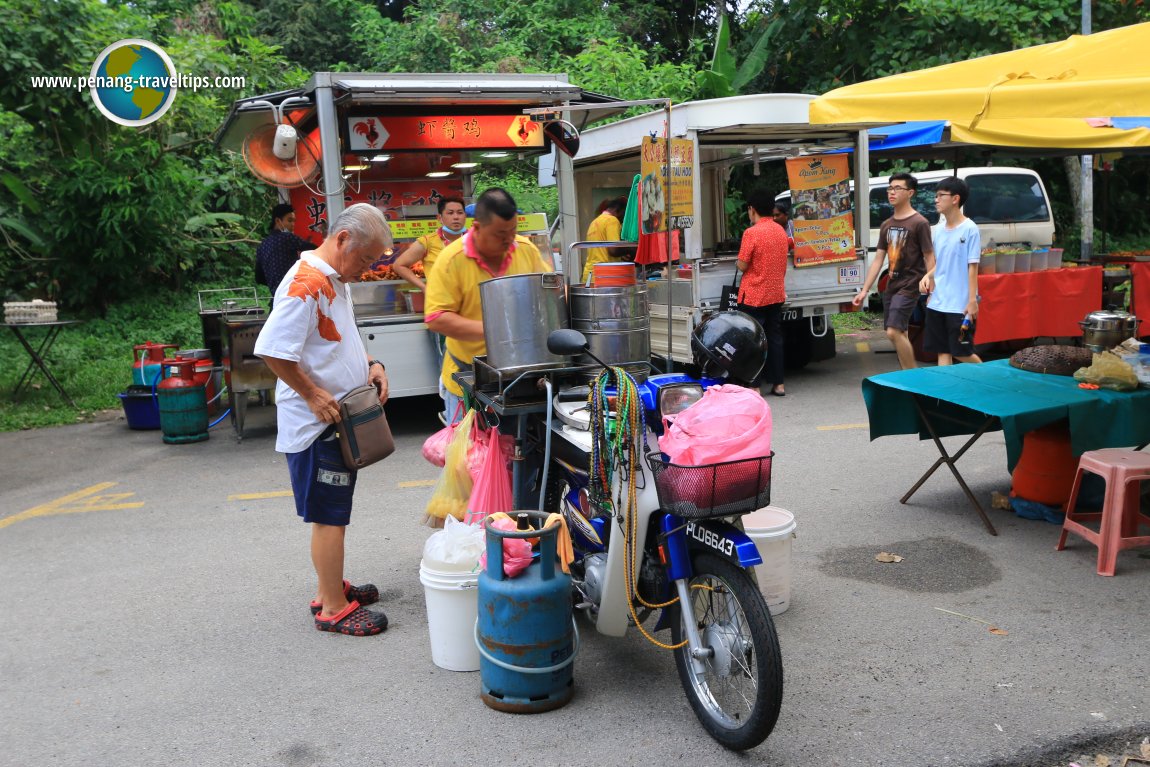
(312, 323)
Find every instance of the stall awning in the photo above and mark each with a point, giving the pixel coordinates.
(1104, 74)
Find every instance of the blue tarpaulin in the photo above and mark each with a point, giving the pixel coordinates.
(920, 133)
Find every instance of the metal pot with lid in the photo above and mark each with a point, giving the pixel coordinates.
(1106, 328)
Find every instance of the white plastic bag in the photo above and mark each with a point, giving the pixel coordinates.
(455, 548)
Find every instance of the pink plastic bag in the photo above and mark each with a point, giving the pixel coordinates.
(516, 551)
(491, 492)
(477, 456)
(729, 423)
(435, 446)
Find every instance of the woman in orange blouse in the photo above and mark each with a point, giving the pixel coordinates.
(763, 262)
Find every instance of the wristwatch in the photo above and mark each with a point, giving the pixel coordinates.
(375, 362)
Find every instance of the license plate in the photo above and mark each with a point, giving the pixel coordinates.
(795, 313)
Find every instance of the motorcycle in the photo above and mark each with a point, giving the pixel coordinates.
(652, 536)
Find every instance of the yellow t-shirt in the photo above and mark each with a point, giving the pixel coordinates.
(606, 228)
(433, 245)
(456, 289)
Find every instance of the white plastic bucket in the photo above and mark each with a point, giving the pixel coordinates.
(452, 608)
(772, 528)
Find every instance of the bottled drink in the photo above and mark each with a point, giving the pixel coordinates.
(964, 330)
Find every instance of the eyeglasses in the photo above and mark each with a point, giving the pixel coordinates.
(943, 194)
(897, 189)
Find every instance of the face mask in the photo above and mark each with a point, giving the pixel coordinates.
(449, 230)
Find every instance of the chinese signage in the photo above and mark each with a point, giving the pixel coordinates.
(821, 209)
(372, 134)
(653, 201)
(409, 230)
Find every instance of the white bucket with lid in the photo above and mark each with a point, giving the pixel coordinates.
(452, 609)
(772, 529)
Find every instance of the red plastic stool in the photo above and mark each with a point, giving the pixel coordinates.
(1120, 515)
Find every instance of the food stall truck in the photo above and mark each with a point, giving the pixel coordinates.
(400, 142)
(722, 133)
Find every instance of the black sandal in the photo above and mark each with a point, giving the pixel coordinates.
(353, 620)
(367, 594)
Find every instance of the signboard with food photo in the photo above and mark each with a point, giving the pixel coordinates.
(822, 210)
(653, 167)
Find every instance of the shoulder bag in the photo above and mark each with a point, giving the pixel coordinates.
(729, 298)
(364, 436)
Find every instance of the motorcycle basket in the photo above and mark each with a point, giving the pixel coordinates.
(712, 490)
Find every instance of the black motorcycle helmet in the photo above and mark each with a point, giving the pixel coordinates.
(730, 345)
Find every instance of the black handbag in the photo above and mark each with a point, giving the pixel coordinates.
(729, 297)
(363, 433)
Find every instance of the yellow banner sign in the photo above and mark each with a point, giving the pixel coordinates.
(413, 228)
(822, 209)
(653, 167)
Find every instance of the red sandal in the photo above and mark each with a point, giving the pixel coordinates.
(353, 620)
(367, 594)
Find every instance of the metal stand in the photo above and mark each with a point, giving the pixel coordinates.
(950, 461)
(38, 355)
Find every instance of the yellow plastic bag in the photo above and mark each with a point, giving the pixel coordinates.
(1109, 371)
(454, 486)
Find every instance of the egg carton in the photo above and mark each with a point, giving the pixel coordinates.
(30, 311)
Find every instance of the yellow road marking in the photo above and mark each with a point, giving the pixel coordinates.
(842, 426)
(80, 501)
(417, 483)
(862, 347)
(260, 496)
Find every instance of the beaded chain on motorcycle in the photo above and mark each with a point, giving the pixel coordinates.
(620, 451)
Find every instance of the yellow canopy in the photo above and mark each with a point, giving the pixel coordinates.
(1066, 133)
(1106, 74)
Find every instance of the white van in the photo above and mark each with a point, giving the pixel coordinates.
(1010, 205)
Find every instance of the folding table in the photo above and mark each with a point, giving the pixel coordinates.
(39, 354)
(938, 402)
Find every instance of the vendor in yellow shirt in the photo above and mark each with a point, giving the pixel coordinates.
(452, 225)
(608, 227)
(490, 249)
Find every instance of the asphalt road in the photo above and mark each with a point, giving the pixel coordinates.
(157, 601)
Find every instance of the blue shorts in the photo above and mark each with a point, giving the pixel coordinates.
(322, 484)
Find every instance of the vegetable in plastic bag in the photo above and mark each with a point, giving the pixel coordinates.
(1108, 371)
(449, 498)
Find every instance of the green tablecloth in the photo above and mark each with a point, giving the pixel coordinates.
(959, 398)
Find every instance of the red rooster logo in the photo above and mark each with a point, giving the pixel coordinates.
(526, 128)
(368, 131)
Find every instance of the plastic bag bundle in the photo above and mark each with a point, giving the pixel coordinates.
(455, 548)
(449, 498)
(1109, 372)
(729, 423)
(516, 551)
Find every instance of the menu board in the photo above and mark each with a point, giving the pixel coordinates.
(822, 209)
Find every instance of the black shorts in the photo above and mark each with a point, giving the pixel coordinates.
(940, 335)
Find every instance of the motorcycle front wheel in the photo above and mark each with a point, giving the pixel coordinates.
(738, 696)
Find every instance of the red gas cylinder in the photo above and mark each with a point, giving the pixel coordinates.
(146, 360)
(183, 404)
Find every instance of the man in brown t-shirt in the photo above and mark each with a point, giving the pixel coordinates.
(904, 239)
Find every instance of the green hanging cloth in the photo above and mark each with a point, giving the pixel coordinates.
(631, 215)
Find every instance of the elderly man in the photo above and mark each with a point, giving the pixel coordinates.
(490, 249)
(311, 343)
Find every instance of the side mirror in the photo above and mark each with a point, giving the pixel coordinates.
(564, 135)
(566, 342)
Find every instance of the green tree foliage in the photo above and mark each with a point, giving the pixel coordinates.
(111, 204)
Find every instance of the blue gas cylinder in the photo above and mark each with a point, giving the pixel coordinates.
(525, 632)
